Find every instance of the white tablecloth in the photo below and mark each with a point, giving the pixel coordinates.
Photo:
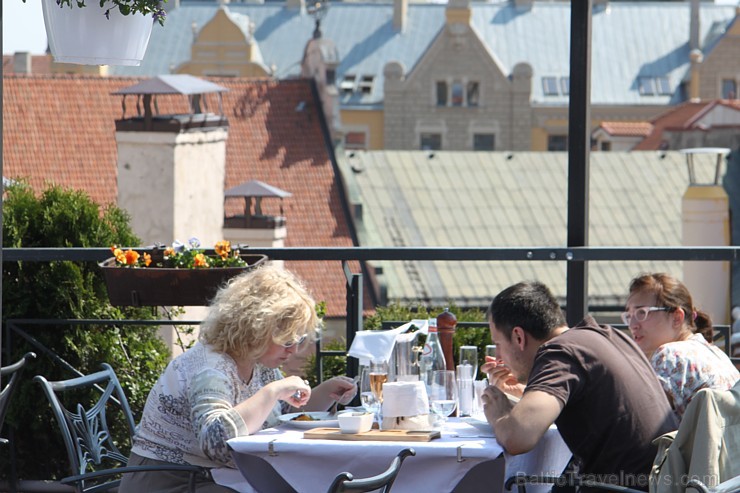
(311, 465)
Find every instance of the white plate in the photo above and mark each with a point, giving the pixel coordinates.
(321, 420)
(479, 422)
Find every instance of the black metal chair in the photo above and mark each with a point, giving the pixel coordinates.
(14, 371)
(95, 461)
(383, 481)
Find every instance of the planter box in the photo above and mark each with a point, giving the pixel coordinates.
(167, 286)
(85, 36)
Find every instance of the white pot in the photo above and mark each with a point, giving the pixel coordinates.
(85, 36)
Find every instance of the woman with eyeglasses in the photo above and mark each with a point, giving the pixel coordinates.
(676, 337)
(229, 383)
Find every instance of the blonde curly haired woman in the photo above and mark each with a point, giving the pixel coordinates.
(229, 383)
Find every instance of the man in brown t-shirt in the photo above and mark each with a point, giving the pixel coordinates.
(593, 382)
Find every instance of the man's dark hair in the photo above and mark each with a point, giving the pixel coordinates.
(529, 305)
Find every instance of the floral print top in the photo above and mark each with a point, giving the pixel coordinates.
(685, 367)
(189, 414)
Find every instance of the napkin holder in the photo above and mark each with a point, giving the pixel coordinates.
(405, 406)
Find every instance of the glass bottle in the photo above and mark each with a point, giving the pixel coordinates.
(432, 358)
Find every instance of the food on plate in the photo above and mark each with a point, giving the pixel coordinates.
(304, 417)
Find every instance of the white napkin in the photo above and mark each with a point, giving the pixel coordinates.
(378, 345)
(405, 399)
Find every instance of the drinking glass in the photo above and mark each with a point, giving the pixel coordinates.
(378, 376)
(491, 350)
(443, 398)
(469, 356)
(367, 399)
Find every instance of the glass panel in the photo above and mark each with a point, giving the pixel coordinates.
(646, 86)
(483, 142)
(431, 142)
(565, 85)
(729, 89)
(457, 94)
(473, 93)
(664, 87)
(557, 143)
(441, 93)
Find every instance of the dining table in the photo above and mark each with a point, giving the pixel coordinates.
(465, 458)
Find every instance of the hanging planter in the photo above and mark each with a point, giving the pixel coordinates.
(157, 281)
(95, 35)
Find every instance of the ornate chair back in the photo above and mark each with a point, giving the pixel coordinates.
(13, 371)
(383, 481)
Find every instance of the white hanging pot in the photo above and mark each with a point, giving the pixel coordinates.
(85, 36)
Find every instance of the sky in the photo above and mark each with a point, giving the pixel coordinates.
(23, 27)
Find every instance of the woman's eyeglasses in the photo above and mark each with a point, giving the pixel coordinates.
(641, 314)
(296, 342)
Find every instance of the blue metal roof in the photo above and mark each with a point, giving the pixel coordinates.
(629, 40)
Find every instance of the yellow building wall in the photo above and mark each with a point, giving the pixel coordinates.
(371, 120)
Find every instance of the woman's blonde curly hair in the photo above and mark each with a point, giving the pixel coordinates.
(265, 305)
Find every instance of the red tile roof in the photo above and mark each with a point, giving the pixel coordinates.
(61, 129)
(627, 129)
(683, 116)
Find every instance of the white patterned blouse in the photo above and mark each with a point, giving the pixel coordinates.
(189, 414)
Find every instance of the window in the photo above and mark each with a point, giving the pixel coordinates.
(355, 140)
(550, 86)
(473, 91)
(729, 89)
(664, 86)
(565, 85)
(458, 97)
(557, 143)
(347, 85)
(484, 142)
(366, 84)
(431, 142)
(331, 77)
(646, 86)
(441, 93)
(606, 146)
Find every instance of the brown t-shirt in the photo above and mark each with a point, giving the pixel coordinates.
(614, 406)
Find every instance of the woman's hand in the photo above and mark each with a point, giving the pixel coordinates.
(342, 389)
(501, 377)
(293, 390)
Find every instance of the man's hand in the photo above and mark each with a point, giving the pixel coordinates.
(500, 376)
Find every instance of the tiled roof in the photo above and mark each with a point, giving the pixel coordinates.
(499, 199)
(627, 129)
(40, 64)
(682, 116)
(630, 40)
(61, 129)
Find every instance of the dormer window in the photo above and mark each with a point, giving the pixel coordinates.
(550, 86)
(457, 93)
(347, 86)
(366, 84)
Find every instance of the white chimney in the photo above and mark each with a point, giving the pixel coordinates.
(22, 62)
(694, 26)
(706, 222)
(400, 13)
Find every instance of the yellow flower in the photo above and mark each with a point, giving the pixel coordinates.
(223, 248)
(147, 259)
(200, 260)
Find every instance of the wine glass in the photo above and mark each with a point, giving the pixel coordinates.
(367, 399)
(469, 356)
(443, 398)
(378, 376)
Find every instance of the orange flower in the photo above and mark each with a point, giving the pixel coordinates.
(200, 260)
(223, 248)
(169, 252)
(131, 257)
(120, 256)
(147, 259)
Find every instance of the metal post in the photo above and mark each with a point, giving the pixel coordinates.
(354, 313)
(579, 145)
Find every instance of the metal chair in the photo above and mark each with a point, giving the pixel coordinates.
(345, 482)
(95, 461)
(15, 371)
(729, 486)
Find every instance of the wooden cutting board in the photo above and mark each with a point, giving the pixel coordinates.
(373, 435)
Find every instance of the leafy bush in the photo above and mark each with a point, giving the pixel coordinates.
(67, 290)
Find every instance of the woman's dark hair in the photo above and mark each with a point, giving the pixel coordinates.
(672, 293)
(529, 305)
